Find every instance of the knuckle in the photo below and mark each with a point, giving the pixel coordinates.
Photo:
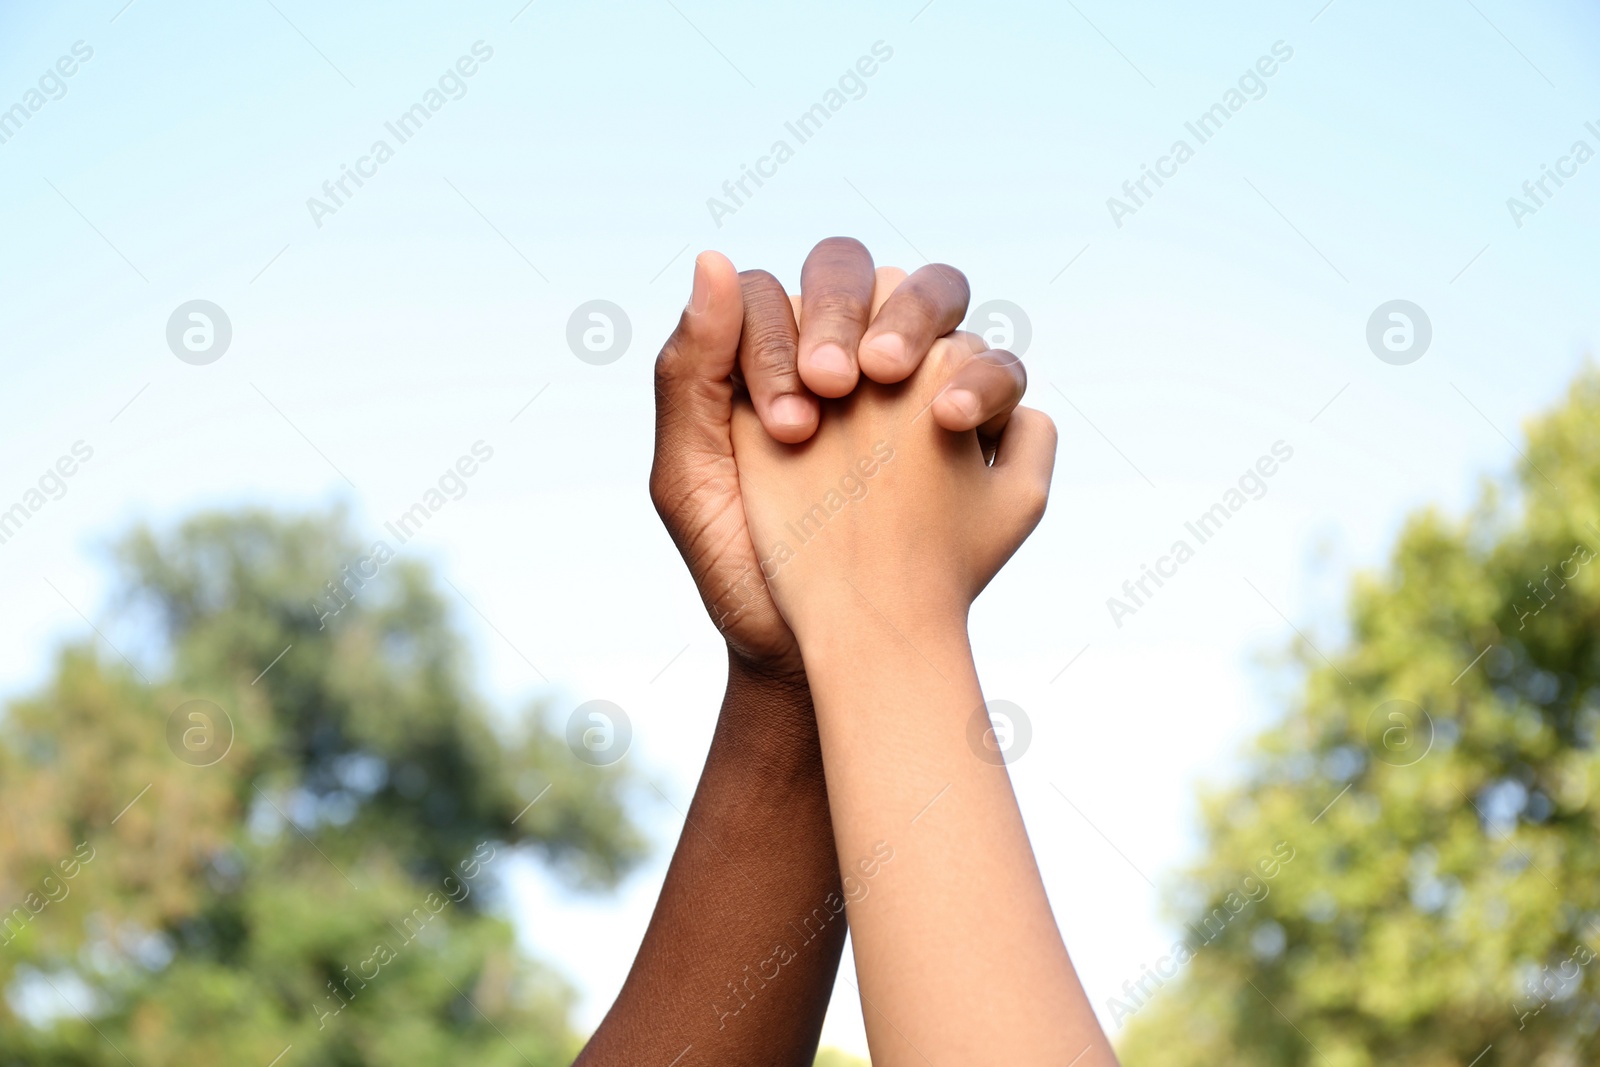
(887, 279)
(764, 299)
(1037, 424)
(767, 348)
(970, 343)
(946, 358)
(918, 304)
(1032, 499)
(661, 489)
(669, 361)
(999, 357)
(1008, 368)
(833, 308)
(758, 282)
(949, 282)
(767, 342)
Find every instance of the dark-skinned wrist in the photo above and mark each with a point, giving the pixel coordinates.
(767, 715)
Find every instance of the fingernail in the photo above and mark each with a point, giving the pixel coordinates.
(964, 401)
(701, 296)
(889, 347)
(830, 358)
(790, 410)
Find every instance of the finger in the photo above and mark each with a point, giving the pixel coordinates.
(1024, 462)
(767, 360)
(981, 395)
(885, 282)
(835, 302)
(926, 306)
(693, 394)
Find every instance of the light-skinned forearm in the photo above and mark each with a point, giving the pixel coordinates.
(938, 982)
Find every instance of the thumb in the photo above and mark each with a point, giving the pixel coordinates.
(693, 392)
(1022, 466)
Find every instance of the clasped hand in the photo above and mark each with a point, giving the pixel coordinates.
(843, 472)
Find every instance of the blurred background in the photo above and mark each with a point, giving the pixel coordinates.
(232, 370)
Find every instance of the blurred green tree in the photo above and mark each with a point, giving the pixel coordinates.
(306, 857)
(1440, 802)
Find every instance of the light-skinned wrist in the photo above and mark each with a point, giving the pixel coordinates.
(862, 642)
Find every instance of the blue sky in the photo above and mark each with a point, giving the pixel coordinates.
(1225, 314)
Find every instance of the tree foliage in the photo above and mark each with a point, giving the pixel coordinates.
(1441, 805)
(172, 899)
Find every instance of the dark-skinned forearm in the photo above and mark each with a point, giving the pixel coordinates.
(739, 959)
